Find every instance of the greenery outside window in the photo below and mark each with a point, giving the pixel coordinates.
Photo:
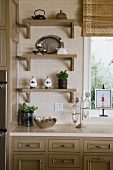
(98, 56)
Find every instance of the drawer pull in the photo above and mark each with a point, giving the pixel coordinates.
(28, 145)
(98, 146)
(101, 158)
(64, 161)
(63, 146)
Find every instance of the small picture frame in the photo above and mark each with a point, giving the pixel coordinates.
(103, 98)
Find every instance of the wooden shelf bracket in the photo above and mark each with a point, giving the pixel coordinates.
(28, 97)
(72, 64)
(28, 31)
(72, 29)
(28, 64)
(71, 97)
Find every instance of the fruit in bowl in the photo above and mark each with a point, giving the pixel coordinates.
(44, 122)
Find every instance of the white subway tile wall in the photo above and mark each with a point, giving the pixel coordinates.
(42, 68)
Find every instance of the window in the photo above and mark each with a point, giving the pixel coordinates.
(98, 68)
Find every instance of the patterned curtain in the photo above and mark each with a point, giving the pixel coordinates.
(97, 18)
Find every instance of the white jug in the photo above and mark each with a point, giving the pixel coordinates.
(62, 51)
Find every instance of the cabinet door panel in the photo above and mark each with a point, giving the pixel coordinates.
(2, 48)
(99, 162)
(29, 162)
(2, 12)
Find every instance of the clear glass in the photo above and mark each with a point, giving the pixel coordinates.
(75, 117)
(86, 107)
(86, 113)
(75, 112)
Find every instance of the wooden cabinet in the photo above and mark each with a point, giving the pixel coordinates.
(45, 153)
(98, 162)
(28, 153)
(2, 13)
(98, 154)
(2, 48)
(28, 162)
(62, 153)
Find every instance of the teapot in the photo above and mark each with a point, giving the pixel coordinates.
(62, 50)
(39, 16)
(32, 83)
(47, 83)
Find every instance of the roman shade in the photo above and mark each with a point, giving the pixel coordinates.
(97, 17)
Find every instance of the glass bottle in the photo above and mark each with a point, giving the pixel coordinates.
(86, 105)
(75, 110)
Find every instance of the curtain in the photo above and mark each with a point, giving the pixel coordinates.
(97, 18)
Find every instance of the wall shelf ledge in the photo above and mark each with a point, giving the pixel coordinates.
(30, 56)
(28, 91)
(49, 22)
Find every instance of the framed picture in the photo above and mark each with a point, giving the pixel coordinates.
(103, 98)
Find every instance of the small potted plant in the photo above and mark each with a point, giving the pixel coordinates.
(27, 115)
(62, 79)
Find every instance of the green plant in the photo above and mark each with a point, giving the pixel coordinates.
(62, 75)
(28, 109)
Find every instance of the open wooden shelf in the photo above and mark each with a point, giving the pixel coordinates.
(28, 91)
(49, 22)
(30, 56)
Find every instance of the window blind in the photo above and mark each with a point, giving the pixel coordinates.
(97, 18)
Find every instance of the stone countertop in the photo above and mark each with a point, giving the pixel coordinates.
(65, 130)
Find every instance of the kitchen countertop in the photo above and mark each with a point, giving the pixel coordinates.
(65, 130)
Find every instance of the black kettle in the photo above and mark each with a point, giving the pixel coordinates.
(39, 16)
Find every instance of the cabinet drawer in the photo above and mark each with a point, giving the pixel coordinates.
(98, 146)
(67, 161)
(64, 145)
(29, 145)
